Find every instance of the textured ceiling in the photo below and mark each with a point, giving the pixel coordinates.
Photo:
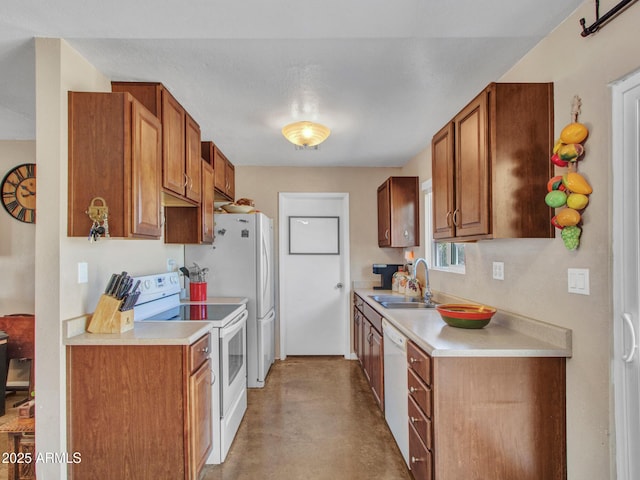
(383, 75)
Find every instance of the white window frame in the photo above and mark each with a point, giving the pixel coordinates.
(430, 243)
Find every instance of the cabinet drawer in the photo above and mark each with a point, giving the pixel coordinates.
(419, 392)
(419, 362)
(358, 302)
(374, 317)
(420, 422)
(420, 461)
(198, 352)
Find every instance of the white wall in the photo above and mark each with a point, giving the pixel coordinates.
(58, 296)
(17, 240)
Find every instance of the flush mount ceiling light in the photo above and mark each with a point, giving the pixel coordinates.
(306, 134)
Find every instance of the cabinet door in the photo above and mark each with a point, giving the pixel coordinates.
(200, 426)
(207, 203)
(231, 180)
(357, 334)
(366, 348)
(442, 164)
(405, 221)
(173, 141)
(193, 161)
(377, 367)
(220, 171)
(384, 215)
(146, 167)
(471, 215)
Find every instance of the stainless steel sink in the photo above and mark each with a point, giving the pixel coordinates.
(397, 301)
(419, 304)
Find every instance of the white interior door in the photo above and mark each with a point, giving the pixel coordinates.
(626, 272)
(314, 273)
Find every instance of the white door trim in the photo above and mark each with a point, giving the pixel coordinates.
(620, 155)
(344, 249)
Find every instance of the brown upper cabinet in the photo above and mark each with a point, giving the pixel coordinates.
(398, 212)
(192, 225)
(181, 139)
(223, 169)
(490, 166)
(114, 153)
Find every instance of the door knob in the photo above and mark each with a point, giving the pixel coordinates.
(339, 285)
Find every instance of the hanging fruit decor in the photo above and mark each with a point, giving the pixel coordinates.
(569, 192)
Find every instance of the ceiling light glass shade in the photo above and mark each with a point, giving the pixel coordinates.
(306, 134)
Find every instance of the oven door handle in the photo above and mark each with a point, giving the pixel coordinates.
(235, 325)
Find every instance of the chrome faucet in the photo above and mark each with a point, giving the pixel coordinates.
(427, 289)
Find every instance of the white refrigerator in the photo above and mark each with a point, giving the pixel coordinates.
(241, 264)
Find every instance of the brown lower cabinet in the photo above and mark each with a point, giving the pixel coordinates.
(140, 412)
(479, 418)
(369, 347)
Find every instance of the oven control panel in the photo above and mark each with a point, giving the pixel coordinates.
(158, 285)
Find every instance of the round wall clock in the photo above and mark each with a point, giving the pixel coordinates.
(19, 192)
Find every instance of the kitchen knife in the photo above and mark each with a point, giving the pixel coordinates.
(124, 287)
(118, 284)
(110, 284)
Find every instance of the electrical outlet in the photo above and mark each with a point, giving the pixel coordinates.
(171, 264)
(578, 280)
(498, 270)
(83, 272)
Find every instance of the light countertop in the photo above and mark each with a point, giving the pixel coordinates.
(143, 333)
(507, 335)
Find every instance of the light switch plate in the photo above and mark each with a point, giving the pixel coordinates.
(578, 279)
(498, 270)
(83, 272)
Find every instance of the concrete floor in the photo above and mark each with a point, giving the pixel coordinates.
(315, 419)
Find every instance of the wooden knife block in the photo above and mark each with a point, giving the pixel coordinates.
(108, 318)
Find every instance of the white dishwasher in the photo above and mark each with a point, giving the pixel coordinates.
(396, 410)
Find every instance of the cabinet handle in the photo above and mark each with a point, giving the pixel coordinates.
(213, 377)
(416, 460)
(205, 350)
(455, 217)
(414, 419)
(414, 389)
(406, 234)
(449, 218)
(186, 180)
(386, 234)
(628, 357)
(414, 360)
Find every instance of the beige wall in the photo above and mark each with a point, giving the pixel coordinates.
(58, 296)
(17, 240)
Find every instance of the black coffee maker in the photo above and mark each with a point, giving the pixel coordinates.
(386, 270)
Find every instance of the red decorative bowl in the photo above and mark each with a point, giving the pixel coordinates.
(465, 315)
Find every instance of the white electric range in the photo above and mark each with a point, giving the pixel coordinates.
(160, 300)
